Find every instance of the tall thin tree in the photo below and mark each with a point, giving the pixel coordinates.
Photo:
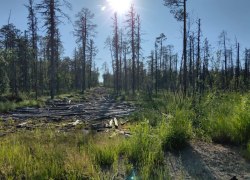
(51, 10)
(32, 23)
(84, 30)
(179, 9)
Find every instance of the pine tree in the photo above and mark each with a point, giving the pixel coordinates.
(84, 29)
(51, 12)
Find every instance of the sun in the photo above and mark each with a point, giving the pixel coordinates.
(120, 6)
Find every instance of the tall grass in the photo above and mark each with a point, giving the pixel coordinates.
(144, 151)
(43, 155)
(51, 155)
(10, 105)
(177, 131)
(167, 122)
(163, 123)
(226, 117)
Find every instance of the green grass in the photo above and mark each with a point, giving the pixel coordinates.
(104, 156)
(74, 96)
(49, 154)
(9, 102)
(177, 131)
(226, 117)
(144, 151)
(10, 106)
(163, 123)
(167, 122)
(44, 155)
(220, 117)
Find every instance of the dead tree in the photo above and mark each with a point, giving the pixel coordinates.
(131, 16)
(51, 12)
(116, 52)
(178, 8)
(223, 42)
(138, 49)
(84, 29)
(32, 23)
(198, 60)
(237, 70)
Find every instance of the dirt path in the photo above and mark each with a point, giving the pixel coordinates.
(208, 161)
(94, 112)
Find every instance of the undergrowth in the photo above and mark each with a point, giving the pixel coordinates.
(166, 122)
(10, 106)
(247, 153)
(43, 155)
(226, 117)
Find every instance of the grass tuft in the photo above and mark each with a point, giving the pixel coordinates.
(104, 157)
(178, 131)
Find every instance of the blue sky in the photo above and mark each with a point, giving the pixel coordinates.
(216, 15)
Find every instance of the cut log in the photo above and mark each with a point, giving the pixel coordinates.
(76, 122)
(98, 106)
(111, 122)
(22, 125)
(116, 123)
(124, 122)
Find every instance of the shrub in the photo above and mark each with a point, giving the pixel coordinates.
(178, 131)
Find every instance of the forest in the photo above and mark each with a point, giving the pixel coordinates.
(163, 115)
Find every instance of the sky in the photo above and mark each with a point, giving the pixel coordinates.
(216, 15)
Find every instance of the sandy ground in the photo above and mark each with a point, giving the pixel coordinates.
(201, 160)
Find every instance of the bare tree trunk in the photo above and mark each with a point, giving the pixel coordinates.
(138, 50)
(84, 44)
(225, 61)
(52, 50)
(185, 51)
(198, 61)
(133, 52)
(156, 70)
(125, 69)
(116, 41)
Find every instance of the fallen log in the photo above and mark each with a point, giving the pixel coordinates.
(97, 126)
(22, 125)
(116, 123)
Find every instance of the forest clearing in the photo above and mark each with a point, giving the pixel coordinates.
(161, 138)
(124, 89)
